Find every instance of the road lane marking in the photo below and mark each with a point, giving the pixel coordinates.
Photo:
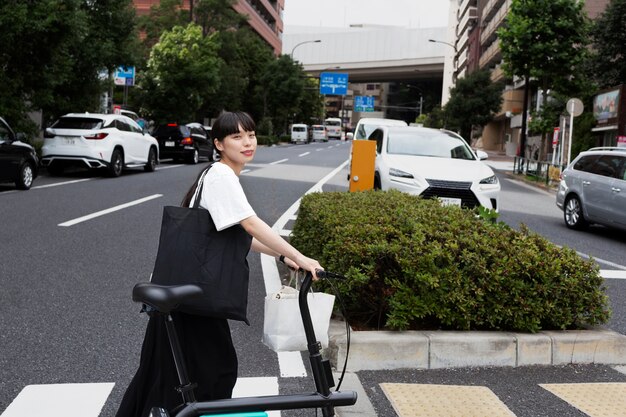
(602, 261)
(60, 400)
(61, 183)
(612, 274)
(243, 171)
(278, 162)
(107, 211)
(304, 154)
(256, 387)
(160, 168)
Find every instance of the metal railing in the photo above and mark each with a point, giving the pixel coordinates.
(543, 171)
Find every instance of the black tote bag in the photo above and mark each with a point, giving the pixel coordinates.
(192, 251)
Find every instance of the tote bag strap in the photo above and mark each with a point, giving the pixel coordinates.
(198, 192)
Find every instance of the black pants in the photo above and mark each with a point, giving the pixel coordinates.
(210, 358)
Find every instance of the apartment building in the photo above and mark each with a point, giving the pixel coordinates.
(265, 17)
(477, 46)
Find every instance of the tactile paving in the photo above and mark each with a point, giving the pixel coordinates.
(603, 399)
(413, 400)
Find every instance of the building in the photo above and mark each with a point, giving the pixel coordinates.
(264, 17)
(477, 47)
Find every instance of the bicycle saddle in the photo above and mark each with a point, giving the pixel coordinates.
(164, 298)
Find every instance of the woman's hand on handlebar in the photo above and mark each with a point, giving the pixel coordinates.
(308, 264)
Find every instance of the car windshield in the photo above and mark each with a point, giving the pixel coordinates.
(82, 123)
(364, 131)
(298, 129)
(424, 143)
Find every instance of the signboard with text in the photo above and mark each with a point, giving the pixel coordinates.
(333, 83)
(363, 103)
(124, 76)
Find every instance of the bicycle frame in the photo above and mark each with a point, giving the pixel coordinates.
(156, 297)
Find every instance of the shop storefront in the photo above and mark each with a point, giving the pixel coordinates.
(609, 110)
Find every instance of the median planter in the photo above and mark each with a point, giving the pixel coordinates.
(412, 264)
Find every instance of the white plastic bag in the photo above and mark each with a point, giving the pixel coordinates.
(283, 329)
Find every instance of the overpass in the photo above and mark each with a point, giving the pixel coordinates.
(398, 66)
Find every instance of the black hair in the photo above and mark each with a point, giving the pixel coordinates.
(226, 124)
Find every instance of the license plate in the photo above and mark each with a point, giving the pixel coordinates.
(169, 143)
(68, 141)
(447, 201)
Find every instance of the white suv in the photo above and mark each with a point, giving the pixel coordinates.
(593, 189)
(109, 141)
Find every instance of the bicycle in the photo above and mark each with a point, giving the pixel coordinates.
(160, 299)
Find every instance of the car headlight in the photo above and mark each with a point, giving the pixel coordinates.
(399, 173)
(489, 180)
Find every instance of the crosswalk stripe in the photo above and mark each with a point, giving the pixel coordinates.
(60, 400)
(257, 386)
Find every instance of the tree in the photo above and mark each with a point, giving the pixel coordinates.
(283, 85)
(181, 76)
(311, 106)
(473, 102)
(53, 52)
(609, 46)
(162, 17)
(217, 15)
(544, 40)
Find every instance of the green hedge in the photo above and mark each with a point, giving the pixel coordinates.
(413, 264)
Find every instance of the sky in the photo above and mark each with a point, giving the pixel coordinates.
(342, 13)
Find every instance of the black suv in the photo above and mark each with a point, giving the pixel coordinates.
(188, 142)
(18, 160)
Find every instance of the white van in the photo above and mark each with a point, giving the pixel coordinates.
(318, 133)
(299, 133)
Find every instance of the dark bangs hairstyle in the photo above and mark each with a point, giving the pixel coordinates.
(227, 123)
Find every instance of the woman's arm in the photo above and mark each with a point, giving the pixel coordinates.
(267, 241)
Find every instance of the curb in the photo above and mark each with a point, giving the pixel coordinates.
(386, 350)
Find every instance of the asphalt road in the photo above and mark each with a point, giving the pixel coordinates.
(65, 309)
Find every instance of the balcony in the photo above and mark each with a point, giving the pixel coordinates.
(490, 55)
(497, 74)
(490, 9)
(468, 20)
(464, 5)
(489, 31)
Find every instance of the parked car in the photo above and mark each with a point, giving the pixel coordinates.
(366, 126)
(299, 133)
(433, 164)
(109, 141)
(318, 133)
(18, 160)
(188, 142)
(593, 189)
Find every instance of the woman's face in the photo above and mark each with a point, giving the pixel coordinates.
(237, 149)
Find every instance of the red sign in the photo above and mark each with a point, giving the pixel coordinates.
(117, 109)
(555, 137)
(621, 141)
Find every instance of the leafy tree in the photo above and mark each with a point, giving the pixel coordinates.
(312, 104)
(52, 53)
(474, 100)
(283, 86)
(162, 17)
(435, 118)
(544, 40)
(217, 15)
(182, 74)
(609, 46)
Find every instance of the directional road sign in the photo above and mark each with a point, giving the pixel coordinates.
(333, 83)
(363, 103)
(124, 76)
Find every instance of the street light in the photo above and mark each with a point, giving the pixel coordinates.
(454, 61)
(445, 43)
(302, 43)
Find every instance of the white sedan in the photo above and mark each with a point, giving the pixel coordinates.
(434, 164)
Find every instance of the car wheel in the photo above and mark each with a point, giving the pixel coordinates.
(193, 157)
(573, 214)
(55, 169)
(377, 185)
(117, 163)
(25, 177)
(216, 156)
(151, 165)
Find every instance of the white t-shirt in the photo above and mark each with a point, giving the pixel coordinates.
(223, 196)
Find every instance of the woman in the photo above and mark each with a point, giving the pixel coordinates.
(209, 352)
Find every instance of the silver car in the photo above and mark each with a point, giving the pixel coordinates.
(593, 189)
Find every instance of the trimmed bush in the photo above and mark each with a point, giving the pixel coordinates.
(414, 264)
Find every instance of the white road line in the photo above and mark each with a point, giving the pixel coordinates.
(612, 274)
(60, 400)
(256, 387)
(319, 149)
(291, 365)
(278, 162)
(107, 211)
(243, 171)
(61, 183)
(304, 154)
(602, 261)
(160, 168)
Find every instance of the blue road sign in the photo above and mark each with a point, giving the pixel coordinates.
(363, 103)
(124, 76)
(334, 83)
